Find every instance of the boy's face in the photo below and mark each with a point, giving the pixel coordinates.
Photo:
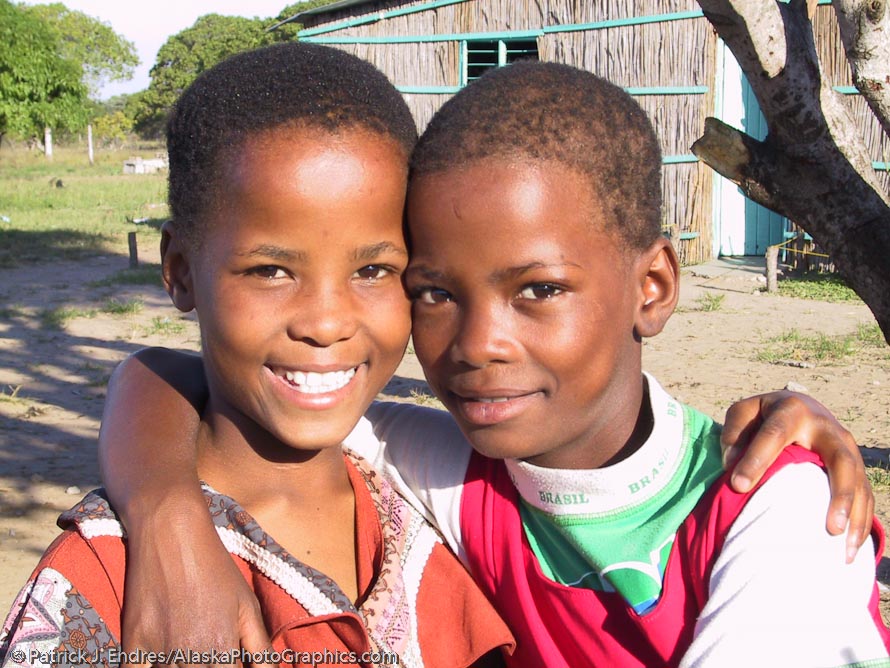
(525, 311)
(298, 283)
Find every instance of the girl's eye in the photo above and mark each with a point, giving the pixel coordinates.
(373, 272)
(433, 296)
(540, 291)
(269, 271)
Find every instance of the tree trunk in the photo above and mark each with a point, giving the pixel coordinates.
(812, 167)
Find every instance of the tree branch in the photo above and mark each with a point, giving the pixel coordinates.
(865, 31)
(813, 166)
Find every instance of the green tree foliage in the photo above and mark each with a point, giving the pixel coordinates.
(103, 54)
(112, 128)
(188, 53)
(38, 87)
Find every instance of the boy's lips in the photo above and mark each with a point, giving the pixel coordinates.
(494, 406)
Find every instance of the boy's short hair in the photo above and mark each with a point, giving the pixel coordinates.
(292, 84)
(549, 111)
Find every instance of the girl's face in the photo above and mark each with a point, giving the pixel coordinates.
(298, 282)
(525, 310)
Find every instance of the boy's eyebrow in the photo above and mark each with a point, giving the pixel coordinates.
(275, 253)
(519, 270)
(373, 251)
(497, 276)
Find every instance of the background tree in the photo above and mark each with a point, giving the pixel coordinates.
(102, 54)
(813, 166)
(189, 52)
(111, 129)
(38, 87)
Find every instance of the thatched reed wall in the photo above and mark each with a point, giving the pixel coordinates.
(677, 54)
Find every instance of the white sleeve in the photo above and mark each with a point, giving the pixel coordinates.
(424, 456)
(781, 593)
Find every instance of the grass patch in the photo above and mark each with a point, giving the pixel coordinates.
(146, 274)
(710, 301)
(878, 476)
(86, 216)
(12, 311)
(117, 307)
(821, 287)
(57, 318)
(421, 398)
(164, 326)
(10, 394)
(792, 346)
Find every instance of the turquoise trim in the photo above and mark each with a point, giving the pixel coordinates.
(364, 20)
(417, 39)
(684, 236)
(666, 90)
(847, 90)
(429, 90)
(307, 35)
(630, 21)
(678, 159)
(638, 91)
(881, 166)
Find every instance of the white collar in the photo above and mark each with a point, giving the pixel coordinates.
(610, 489)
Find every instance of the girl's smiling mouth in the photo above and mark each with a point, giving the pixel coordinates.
(320, 389)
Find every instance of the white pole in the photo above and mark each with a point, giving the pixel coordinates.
(90, 142)
(48, 142)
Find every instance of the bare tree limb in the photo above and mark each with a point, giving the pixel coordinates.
(865, 31)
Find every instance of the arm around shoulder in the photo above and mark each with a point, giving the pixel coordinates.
(781, 593)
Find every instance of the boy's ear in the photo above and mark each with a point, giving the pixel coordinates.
(176, 267)
(659, 278)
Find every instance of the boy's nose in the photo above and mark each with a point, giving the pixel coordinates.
(322, 318)
(484, 337)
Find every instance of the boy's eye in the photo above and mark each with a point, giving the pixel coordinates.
(269, 271)
(432, 296)
(540, 291)
(373, 272)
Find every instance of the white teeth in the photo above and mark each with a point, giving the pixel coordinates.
(493, 400)
(312, 382)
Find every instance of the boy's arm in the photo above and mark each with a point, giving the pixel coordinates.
(175, 560)
(760, 427)
(779, 591)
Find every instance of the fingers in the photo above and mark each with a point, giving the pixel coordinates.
(763, 426)
(254, 638)
(742, 419)
(860, 519)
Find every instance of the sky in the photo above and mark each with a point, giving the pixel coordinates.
(148, 24)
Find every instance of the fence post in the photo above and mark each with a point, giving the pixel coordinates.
(772, 268)
(90, 142)
(134, 253)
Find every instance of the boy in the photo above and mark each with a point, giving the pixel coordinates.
(537, 267)
(288, 168)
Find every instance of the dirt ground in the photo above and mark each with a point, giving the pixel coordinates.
(52, 381)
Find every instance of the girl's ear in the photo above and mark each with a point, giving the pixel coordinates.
(176, 267)
(658, 271)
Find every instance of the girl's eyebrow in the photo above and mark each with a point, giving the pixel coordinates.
(373, 251)
(276, 253)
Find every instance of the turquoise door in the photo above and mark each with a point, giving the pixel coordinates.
(763, 227)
